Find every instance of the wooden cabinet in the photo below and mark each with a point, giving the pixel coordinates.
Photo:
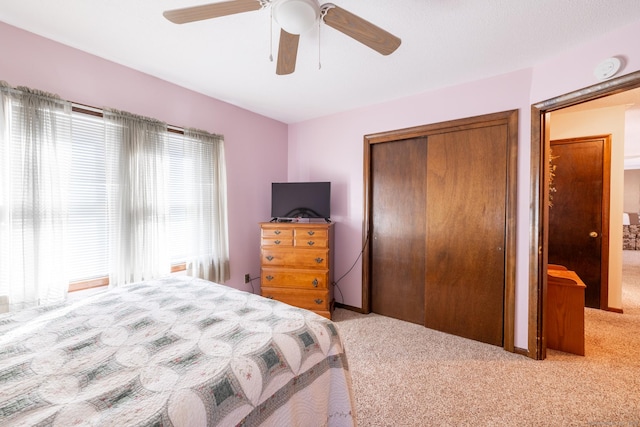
(565, 310)
(296, 264)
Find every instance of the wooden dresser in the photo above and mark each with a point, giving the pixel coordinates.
(296, 264)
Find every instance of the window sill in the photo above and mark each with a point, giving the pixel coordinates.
(83, 285)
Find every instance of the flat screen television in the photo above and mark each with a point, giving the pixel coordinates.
(300, 200)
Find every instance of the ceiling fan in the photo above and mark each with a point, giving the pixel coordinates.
(295, 17)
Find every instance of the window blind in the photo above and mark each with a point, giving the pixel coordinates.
(88, 217)
(178, 222)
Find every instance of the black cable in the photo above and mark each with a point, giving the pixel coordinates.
(251, 279)
(335, 282)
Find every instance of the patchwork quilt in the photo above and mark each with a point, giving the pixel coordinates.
(178, 351)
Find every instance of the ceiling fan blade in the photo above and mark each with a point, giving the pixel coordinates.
(214, 10)
(361, 30)
(287, 53)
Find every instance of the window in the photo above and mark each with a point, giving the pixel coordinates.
(89, 218)
(88, 197)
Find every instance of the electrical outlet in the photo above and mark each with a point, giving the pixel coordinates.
(247, 278)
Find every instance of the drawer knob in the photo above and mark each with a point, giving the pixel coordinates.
(269, 258)
(277, 242)
(311, 243)
(269, 296)
(315, 283)
(319, 260)
(318, 301)
(269, 277)
(277, 232)
(311, 232)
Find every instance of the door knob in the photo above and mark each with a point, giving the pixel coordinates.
(593, 234)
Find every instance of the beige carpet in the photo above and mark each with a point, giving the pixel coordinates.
(407, 375)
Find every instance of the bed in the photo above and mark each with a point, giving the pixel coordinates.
(177, 351)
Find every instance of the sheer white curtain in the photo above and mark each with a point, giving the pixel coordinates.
(35, 156)
(207, 241)
(137, 173)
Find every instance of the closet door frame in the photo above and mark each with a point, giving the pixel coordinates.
(508, 118)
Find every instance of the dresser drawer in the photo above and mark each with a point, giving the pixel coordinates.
(309, 258)
(294, 278)
(277, 241)
(315, 233)
(302, 241)
(277, 232)
(311, 300)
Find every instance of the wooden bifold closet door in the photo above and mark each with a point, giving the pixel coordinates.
(439, 224)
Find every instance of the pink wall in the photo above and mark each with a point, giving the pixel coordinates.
(331, 148)
(574, 70)
(30, 60)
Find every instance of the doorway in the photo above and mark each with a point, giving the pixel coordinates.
(540, 143)
(579, 212)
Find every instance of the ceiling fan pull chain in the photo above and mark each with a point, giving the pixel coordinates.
(323, 12)
(271, 35)
(319, 45)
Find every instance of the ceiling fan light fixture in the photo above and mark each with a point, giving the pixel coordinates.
(296, 16)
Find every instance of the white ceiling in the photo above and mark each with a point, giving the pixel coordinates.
(444, 43)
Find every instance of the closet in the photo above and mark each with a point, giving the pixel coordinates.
(440, 215)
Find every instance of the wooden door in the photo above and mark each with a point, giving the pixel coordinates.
(466, 232)
(440, 225)
(578, 235)
(398, 229)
